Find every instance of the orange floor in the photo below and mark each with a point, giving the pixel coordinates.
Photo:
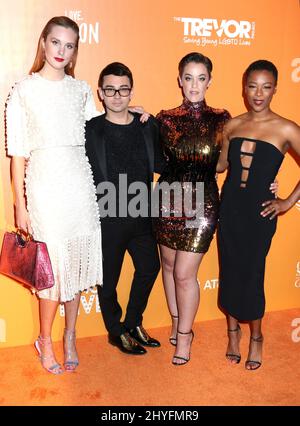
(108, 377)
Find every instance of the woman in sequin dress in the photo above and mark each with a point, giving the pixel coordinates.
(191, 137)
(46, 114)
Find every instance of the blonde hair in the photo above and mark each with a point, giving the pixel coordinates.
(39, 61)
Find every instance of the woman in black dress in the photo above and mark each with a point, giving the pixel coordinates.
(191, 136)
(254, 147)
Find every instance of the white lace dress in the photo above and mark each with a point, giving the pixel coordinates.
(45, 123)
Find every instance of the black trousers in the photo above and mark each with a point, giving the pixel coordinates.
(135, 236)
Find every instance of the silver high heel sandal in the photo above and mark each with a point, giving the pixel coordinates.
(39, 345)
(71, 357)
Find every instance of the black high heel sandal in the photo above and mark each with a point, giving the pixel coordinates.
(173, 340)
(234, 357)
(252, 364)
(181, 357)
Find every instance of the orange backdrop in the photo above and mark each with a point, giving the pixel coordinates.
(150, 36)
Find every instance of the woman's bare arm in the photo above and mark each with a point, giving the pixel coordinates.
(18, 174)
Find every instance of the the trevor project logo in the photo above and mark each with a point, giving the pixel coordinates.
(215, 32)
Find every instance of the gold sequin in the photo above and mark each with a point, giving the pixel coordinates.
(191, 138)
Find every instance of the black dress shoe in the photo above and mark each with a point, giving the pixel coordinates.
(141, 335)
(126, 344)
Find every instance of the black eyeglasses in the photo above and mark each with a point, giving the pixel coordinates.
(110, 92)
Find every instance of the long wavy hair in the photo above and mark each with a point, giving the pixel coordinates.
(39, 61)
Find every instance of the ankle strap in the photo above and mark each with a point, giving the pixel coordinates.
(44, 339)
(257, 339)
(69, 334)
(174, 316)
(69, 331)
(181, 332)
(235, 329)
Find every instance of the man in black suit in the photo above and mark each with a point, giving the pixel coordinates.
(124, 151)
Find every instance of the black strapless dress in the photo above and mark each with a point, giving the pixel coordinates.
(244, 235)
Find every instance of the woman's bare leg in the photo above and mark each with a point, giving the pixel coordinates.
(188, 296)
(168, 261)
(254, 359)
(234, 336)
(71, 314)
(47, 309)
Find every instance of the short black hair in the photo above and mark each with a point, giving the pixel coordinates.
(115, 68)
(198, 58)
(262, 65)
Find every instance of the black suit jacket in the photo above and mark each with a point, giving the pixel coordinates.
(96, 147)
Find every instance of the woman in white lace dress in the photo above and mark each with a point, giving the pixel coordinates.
(46, 114)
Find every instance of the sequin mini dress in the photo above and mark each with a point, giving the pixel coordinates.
(191, 137)
(45, 124)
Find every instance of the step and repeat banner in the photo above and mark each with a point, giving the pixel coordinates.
(151, 36)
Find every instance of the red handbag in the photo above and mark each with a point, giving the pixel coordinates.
(26, 261)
